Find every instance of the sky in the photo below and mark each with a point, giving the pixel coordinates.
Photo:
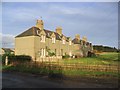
(98, 21)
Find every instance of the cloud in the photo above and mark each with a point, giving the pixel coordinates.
(7, 40)
(97, 21)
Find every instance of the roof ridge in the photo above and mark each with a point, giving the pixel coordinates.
(29, 32)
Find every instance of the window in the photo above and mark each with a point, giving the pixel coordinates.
(42, 38)
(70, 54)
(59, 37)
(48, 34)
(38, 32)
(53, 39)
(61, 52)
(70, 42)
(42, 53)
(63, 42)
(55, 51)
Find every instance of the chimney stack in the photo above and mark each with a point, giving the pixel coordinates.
(59, 30)
(77, 36)
(40, 24)
(84, 38)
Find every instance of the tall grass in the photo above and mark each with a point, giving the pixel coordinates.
(105, 60)
(102, 59)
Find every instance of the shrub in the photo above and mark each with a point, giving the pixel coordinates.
(51, 53)
(91, 54)
(4, 57)
(65, 56)
(20, 58)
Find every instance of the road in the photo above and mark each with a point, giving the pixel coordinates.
(18, 80)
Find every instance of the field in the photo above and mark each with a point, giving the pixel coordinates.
(102, 59)
(105, 64)
(102, 66)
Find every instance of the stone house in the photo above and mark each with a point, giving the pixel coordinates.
(6, 51)
(39, 42)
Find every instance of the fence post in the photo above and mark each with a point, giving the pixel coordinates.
(6, 60)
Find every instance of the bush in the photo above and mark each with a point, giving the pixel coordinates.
(91, 54)
(51, 53)
(65, 56)
(4, 57)
(11, 57)
(20, 58)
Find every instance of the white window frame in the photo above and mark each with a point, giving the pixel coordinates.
(42, 51)
(37, 32)
(63, 41)
(53, 39)
(42, 38)
(70, 53)
(70, 42)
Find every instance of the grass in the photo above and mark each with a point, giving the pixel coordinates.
(89, 73)
(109, 56)
(103, 59)
(25, 69)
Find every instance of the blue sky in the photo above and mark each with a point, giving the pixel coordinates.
(98, 21)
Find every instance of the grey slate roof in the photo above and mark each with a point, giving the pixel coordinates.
(7, 50)
(30, 32)
(76, 41)
(33, 32)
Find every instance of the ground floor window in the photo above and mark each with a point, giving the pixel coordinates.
(55, 51)
(61, 52)
(70, 53)
(42, 51)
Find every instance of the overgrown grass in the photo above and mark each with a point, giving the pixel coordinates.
(102, 59)
(109, 56)
(25, 69)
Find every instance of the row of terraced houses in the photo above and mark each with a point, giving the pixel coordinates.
(39, 42)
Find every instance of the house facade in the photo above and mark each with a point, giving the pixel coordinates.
(39, 42)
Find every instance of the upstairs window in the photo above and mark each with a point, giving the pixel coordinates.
(38, 32)
(42, 38)
(53, 39)
(63, 41)
(70, 43)
(48, 34)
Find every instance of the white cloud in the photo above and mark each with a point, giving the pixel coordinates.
(7, 40)
(20, 14)
(95, 21)
(89, 12)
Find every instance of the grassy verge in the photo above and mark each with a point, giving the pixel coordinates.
(90, 74)
(46, 71)
(25, 69)
(103, 59)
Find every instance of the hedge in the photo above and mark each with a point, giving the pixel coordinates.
(21, 58)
